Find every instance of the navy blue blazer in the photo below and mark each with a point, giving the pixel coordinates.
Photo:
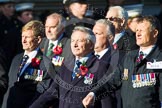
(71, 92)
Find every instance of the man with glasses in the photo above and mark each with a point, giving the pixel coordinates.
(122, 41)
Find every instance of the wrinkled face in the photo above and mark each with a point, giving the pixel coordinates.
(8, 9)
(52, 29)
(100, 31)
(78, 9)
(113, 16)
(80, 46)
(144, 35)
(29, 41)
(26, 16)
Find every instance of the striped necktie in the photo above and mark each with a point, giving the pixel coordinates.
(23, 62)
(76, 67)
(140, 57)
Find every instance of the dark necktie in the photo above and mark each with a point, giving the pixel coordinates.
(23, 62)
(76, 67)
(140, 57)
(98, 56)
(49, 52)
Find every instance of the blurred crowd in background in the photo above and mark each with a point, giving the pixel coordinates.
(15, 14)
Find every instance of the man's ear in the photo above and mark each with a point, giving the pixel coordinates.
(122, 22)
(155, 33)
(39, 39)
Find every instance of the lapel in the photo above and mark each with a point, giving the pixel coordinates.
(107, 55)
(120, 43)
(63, 41)
(154, 54)
(46, 46)
(17, 65)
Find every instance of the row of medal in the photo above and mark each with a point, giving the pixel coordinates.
(142, 80)
(88, 79)
(57, 60)
(37, 77)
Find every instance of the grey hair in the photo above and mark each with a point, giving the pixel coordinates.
(109, 25)
(122, 13)
(88, 31)
(60, 17)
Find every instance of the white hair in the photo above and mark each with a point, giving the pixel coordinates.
(109, 25)
(88, 31)
(122, 13)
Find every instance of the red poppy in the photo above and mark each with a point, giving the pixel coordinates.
(35, 62)
(138, 60)
(57, 50)
(83, 70)
(115, 46)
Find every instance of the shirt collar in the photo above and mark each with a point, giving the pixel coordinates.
(84, 59)
(101, 53)
(118, 36)
(147, 51)
(32, 54)
(56, 41)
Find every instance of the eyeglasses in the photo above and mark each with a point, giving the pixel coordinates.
(113, 19)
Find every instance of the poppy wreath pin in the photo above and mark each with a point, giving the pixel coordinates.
(115, 46)
(36, 61)
(83, 68)
(58, 49)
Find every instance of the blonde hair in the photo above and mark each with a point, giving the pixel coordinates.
(36, 26)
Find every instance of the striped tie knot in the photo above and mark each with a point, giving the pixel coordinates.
(24, 60)
(140, 57)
